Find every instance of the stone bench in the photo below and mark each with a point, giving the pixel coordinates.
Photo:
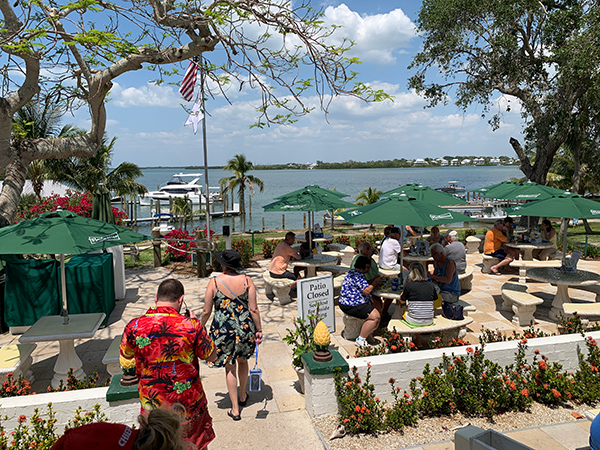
(473, 244)
(278, 287)
(595, 288)
(16, 359)
(467, 308)
(584, 310)
(338, 255)
(523, 304)
(488, 262)
(352, 327)
(447, 328)
(111, 357)
(334, 269)
(523, 265)
(466, 279)
(341, 248)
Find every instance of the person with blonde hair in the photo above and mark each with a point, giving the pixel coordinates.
(160, 429)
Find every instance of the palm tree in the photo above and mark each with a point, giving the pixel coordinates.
(86, 174)
(39, 121)
(241, 179)
(368, 196)
(182, 207)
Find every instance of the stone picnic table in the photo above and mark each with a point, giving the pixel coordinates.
(313, 262)
(563, 280)
(529, 247)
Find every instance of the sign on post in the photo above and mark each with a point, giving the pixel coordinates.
(317, 291)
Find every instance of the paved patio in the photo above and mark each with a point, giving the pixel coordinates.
(281, 421)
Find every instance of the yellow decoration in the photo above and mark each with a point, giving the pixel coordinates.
(126, 363)
(321, 335)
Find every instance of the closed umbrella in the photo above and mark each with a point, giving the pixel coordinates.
(63, 233)
(566, 205)
(403, 210)
(101, 207)
(425, 193)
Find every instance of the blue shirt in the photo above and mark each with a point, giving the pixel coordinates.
(352, 287)
(454, 285)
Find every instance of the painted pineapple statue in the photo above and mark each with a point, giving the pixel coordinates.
(322, 339)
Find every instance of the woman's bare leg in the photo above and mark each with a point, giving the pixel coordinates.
(243, 377)
(232, 384)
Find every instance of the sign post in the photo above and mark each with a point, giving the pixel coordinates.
(317, 291)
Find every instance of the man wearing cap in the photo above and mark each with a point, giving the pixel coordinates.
(494, 246)
(455, 251)
(390, 249)
(281, 257)
(166, 346)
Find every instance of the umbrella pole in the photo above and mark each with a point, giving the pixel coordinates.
(565, 225)
(63, 283)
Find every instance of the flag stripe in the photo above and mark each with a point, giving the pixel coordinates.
(189, 81)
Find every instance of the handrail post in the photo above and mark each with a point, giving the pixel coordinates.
(201, 270)
(156, 248)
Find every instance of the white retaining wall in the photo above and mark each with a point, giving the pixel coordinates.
(320, 399)
(65, 403)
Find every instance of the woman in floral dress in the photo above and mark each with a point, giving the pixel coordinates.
(235, 326)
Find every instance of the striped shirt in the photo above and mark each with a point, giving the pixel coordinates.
(420, 296)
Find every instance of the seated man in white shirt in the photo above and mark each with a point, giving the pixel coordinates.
(390, 249)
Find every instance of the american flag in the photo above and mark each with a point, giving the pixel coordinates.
(189, 80)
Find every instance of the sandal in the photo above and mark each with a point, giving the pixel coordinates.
(243, 403)
(235, 418)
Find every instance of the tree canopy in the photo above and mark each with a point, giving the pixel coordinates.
(73, 51)
(543, 55)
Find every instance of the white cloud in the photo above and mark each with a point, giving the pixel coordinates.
(378, 37)
(146, 95)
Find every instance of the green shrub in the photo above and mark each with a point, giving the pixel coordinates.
(586, 381)
(268, 247)
(244, 248)
(403, 412)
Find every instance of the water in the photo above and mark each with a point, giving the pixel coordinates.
(349, 181)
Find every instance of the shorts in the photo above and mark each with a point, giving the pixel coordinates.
(500, 254)
(287, 274)
(449, 297)
(361, 311)
(396, 267)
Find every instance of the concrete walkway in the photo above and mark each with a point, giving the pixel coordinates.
(275, 417)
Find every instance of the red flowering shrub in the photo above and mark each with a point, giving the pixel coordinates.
(244, 248)
(403, 412)
(268, 247)
(12, 387)
(342, 239)
(586, 381)
(359, 410)
(73, 201)
(179, 250)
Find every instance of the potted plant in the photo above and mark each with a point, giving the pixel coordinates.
(301, 340)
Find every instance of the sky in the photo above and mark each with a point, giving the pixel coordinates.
(148, 120)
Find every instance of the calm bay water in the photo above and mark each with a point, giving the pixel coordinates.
(350, 181)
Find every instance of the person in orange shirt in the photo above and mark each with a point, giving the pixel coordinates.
(494, 246)
(281, 257)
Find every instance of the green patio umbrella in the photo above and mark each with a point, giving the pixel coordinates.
(529, 191)
(565, 206)
(496, 189)
(101, 207)
(403, 210)
(63, 233)
(309, 199)
(427, 194)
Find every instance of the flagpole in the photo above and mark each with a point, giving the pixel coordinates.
(206, 193)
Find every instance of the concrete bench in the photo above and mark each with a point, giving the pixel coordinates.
(467, 308)
(595, 288)
(584, 310)
(278, 287)
(111, 357)
(336, 270)
(343, 248)
(352, 326)
(473, 244)
(488, 262)
(466, 279)
(447, 328)
(523, 265)
(523, 304)
(16, 359)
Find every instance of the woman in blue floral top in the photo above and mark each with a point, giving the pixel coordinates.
(355, 299)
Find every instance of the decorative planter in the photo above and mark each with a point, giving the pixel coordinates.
(300, 372)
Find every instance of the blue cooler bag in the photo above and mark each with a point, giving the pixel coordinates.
(255, 375)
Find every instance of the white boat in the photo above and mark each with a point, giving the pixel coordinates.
(453, 189)
(179, 186)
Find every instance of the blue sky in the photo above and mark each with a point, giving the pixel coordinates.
(148, 120)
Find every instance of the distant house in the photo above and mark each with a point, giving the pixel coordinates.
(465, 162)
(312, 166)
(420, 162)
(495, 161)
(443, 162)
(479, 161)
(454, 162)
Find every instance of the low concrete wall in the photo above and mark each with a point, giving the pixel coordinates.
(65, 404)
(320, 398)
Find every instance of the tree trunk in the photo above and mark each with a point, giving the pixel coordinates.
(11, 191)
(242, 207)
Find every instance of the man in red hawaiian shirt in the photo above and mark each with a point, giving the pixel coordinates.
(166, 346)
